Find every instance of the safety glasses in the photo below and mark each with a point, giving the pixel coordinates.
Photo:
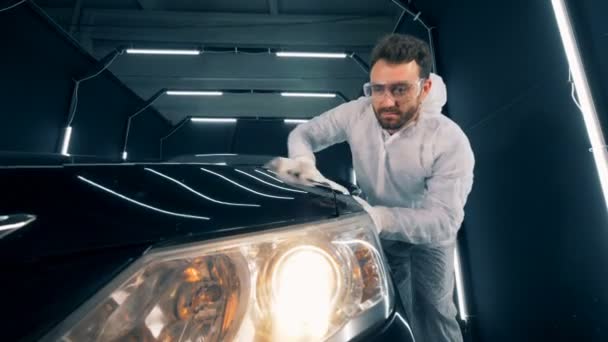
(399, 90)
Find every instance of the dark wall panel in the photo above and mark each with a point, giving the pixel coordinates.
(38, 64)
(100, 121)
(535, 229)
(199, 138)
(266, 137)
(34, 87)
(146, 130)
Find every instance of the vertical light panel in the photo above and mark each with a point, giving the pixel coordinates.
(67, 135)
(583, 91)
(462, 303)
(124, 155)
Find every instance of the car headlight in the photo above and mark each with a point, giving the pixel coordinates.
(300, 283)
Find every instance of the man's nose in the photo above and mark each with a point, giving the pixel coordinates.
(387, 100)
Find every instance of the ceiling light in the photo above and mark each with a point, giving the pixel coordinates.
(215, 154)
(294, 121)
(308, 94)
(311, 55)
(214, 120)
(163, 52)
(193, 93)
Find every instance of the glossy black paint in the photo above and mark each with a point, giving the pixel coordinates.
(89, 228)
(395, 328)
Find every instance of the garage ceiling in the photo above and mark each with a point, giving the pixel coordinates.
(252, 27)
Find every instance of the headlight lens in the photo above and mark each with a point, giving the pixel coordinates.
(301, 283)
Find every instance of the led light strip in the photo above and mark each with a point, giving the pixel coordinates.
(588, 109)
(294, 121)
(213, 120)
(270, 184)
(193, 93)
(163, 52)
(462, 304)
(290, 94)
(198, 193)
(245, 188)
(215, 155)
(139, 203)
(311, 54)
(67, 136)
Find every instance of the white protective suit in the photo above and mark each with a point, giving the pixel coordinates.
(417, 182)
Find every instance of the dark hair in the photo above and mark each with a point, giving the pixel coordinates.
(398, 48)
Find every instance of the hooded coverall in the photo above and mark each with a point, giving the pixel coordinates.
(417, 181)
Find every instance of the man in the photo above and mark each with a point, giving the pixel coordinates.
(416, 167)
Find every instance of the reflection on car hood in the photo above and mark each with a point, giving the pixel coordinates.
(85, 207)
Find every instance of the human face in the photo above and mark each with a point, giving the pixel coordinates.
(396, 91)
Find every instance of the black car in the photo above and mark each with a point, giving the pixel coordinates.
(199, 249)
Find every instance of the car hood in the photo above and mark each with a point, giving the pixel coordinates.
(81, 208)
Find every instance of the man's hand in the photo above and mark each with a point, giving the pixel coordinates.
(303, 171)
(370, 211)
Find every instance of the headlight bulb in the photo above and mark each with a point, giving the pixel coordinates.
(305, 282)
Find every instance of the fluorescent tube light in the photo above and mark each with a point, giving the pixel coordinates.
(213, 120)
(294, 121)
(289, 94)
(590, 117)
(163, 52)
(193, 93)
(462, 307)
(215, 154)
(67, 135)
(311, 55)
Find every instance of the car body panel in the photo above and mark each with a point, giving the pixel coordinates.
(92, 221)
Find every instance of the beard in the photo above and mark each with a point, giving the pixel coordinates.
(393, 118)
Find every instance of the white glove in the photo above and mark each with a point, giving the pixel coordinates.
(301, 170)
(370, 211)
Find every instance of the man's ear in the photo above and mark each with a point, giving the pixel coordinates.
(426, 89)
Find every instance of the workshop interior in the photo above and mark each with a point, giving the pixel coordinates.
(161, 82)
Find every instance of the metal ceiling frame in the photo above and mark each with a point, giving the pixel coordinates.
(409, 8)
(147, 104)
